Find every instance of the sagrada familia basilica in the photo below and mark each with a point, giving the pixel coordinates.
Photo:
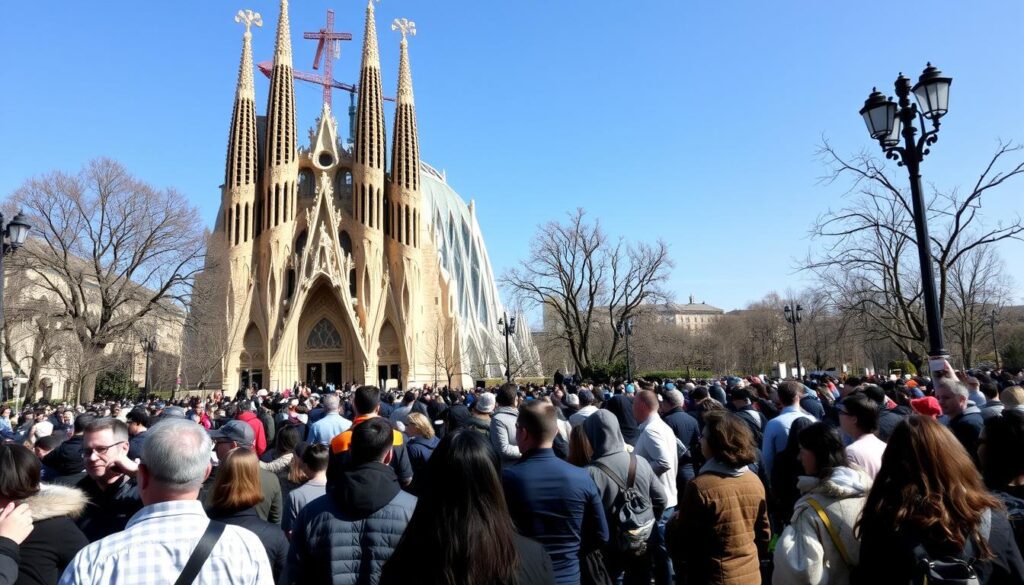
(341, 267)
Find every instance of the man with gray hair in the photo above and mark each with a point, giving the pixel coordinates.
(963, 419)
(687, 431)
(331, 424)
(171, 534)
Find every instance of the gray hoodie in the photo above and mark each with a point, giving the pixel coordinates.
(602, 430)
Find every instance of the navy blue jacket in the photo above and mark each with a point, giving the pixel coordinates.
(622, 407)
(687, 430)
(558, 505)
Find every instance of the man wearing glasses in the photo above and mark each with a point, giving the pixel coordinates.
(109, 482)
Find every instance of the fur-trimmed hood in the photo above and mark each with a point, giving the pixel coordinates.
(845, 482)
(56, 500)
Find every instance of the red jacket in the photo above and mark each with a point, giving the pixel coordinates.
(253, 421)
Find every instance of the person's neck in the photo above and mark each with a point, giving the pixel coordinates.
(156, 495)
(319, 477)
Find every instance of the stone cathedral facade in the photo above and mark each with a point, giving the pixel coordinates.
(341, 266)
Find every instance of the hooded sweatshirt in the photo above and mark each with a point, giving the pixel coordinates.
(602, 430)
(805, 553)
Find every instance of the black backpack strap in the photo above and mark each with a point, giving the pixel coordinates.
(201, 553)
(611, 474)
(632, 471)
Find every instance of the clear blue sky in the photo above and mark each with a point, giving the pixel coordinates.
(693, 121)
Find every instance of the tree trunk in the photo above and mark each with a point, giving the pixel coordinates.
(88, 389)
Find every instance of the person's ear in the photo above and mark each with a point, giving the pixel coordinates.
(143, 477)
(388, 456)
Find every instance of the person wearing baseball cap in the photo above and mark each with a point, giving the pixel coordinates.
(237, 434)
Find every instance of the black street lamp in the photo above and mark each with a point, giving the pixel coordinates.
(148, 346)
(887, 122)
(12, 237)
(793, 317)
(507, 327)
(992, 320)
(626, 330)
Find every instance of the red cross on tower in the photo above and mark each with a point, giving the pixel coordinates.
(327, 42)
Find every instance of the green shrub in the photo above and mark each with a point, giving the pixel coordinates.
(906, 366)
(115, 385)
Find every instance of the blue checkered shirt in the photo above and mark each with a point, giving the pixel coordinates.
(156, 544)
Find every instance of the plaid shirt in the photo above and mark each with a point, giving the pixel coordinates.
(156, 544)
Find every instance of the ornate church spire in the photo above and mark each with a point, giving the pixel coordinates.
(281, 155)
(405, 153)
(240, 172)
(370, 111)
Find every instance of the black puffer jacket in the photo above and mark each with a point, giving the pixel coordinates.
(345, 537)
(55, 539)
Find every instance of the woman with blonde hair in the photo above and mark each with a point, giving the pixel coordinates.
(420, 447)
(928, 504)
(236, 493)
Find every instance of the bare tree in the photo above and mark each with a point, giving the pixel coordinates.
(977, 287)
(869, 257)
(587, 281)
(205, 335)
(445, 355)
(114, 251)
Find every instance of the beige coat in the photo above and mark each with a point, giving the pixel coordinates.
(805, 553)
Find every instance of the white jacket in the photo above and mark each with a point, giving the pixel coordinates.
(805, 553)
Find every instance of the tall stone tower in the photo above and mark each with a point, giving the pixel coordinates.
(404, 206)
(368, 198)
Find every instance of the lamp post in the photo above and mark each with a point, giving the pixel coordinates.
(507, 327)
(993, 318)
(12, 237)
(888, 122)
(626, 330)
(793, 317)
(148, 346)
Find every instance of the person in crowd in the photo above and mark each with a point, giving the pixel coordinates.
(888, 417)
(785, 478)
(279, 459)
(1002, 465)
(237, 434)
(965, 419)
(41, 449)
(687, 430)
(66, 460)
(551, 500)
(926, 406)
(993, 406)
(236, 493)
(657, 444)
(399, 414)
(455, 540)
(265, 415)
(366, 405)
(858, 420)
(819, 547)
(422, 443)
(6, 428)
(621, 405)
(601, 431)
(974, 393)
(113, 494)
(776, 432)
(503, 425)
(580, 449)
(331, 424)
(928, 503)
(160, 538)
(15, 527)
(1012, 397)
(313, 459)
(138, 423)
(811, 403)
(742, 404)
(55, 539)
(365, 506)
(720, 532)
(247, 414)
(482, 411)
(587, 408)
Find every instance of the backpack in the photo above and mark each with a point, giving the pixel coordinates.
(631, 511)
(951, 570)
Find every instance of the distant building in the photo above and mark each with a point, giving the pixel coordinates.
(692, 316)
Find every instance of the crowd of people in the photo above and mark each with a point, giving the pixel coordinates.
(731, 481)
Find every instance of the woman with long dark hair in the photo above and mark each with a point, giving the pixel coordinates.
(928, 497)
(819, 547)
(461, 532)
(1001, 451)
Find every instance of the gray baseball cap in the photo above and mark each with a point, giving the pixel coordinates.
(236, 431)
